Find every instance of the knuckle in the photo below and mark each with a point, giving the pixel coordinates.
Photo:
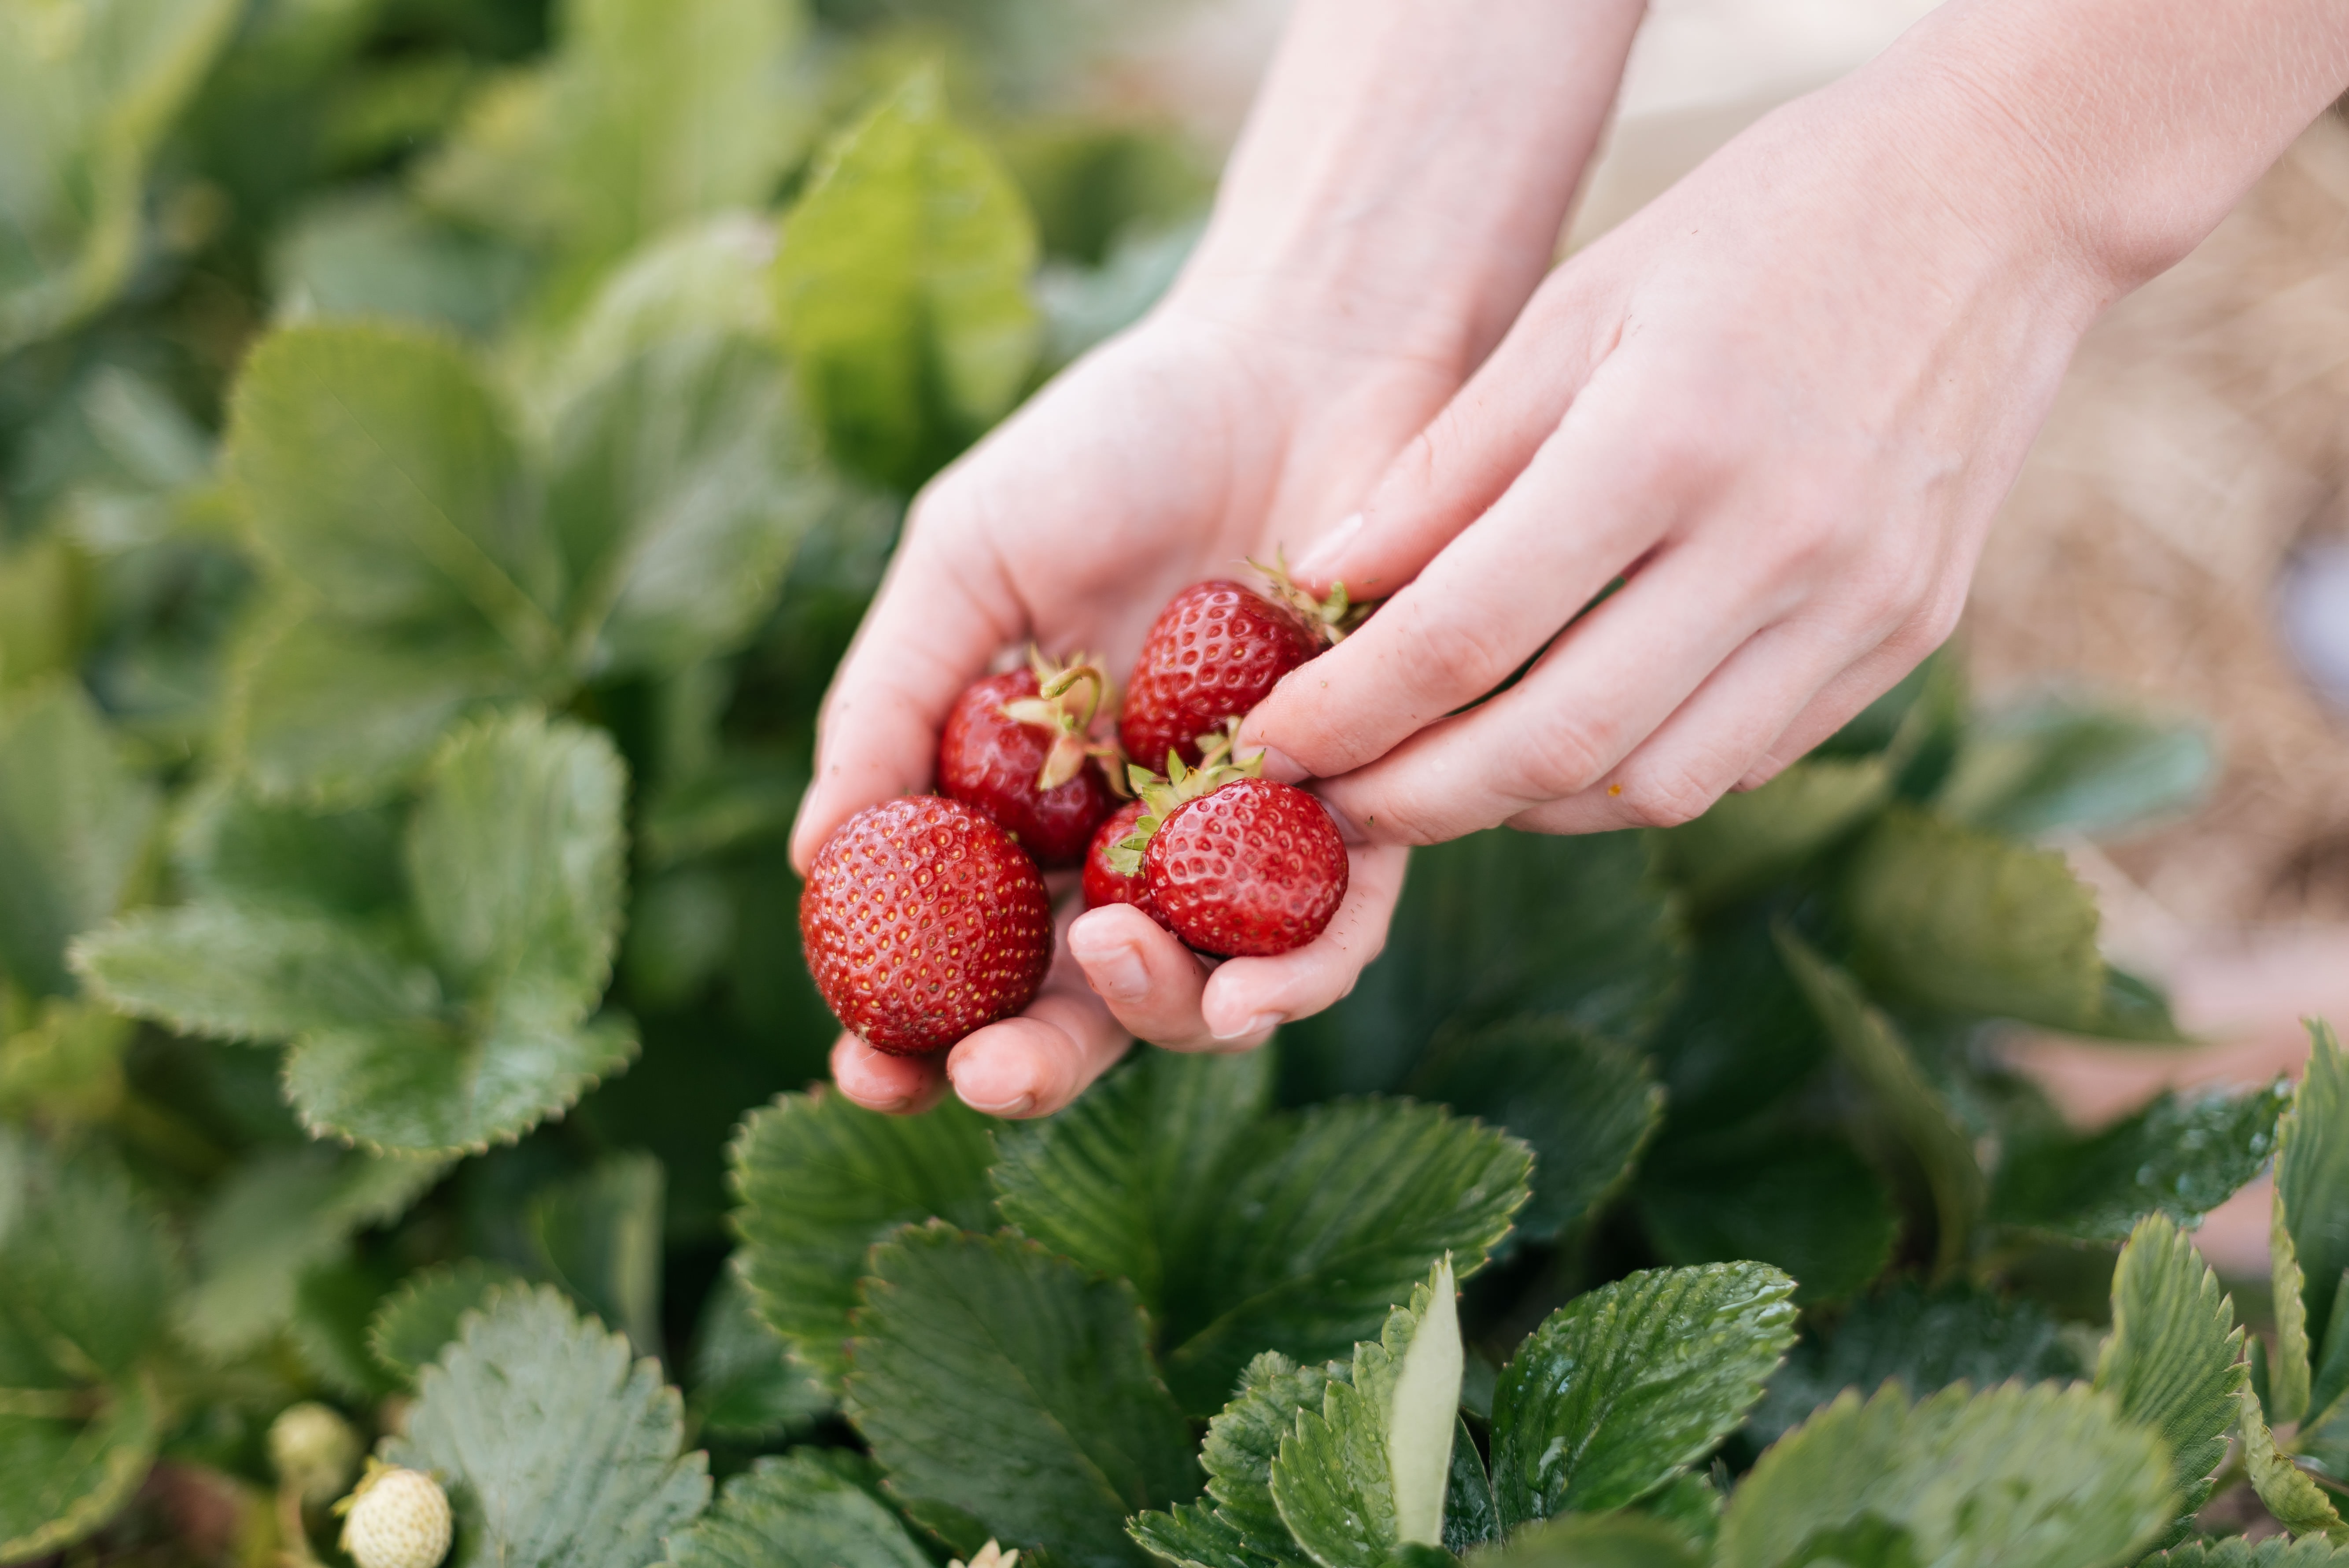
(1668, 798)
(1560, 758)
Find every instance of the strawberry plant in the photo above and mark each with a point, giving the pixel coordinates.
(444, 450)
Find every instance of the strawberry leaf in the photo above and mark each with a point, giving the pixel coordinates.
(2312, 1177)
(598, 1236)
(2174, 1358)
(1128, 1180)
(901, 287)
(553, 1448)
(1366, 1474)
(993, 1378)
(1585, 1106)
(1747, 840)
(86, 92)
(2018, 1477)
(2182, 1158)
(794, 1513)
(1495, 924)
(413, 1322)
(1331, 1216)
(1807, 1204)
(232, 848)
(2287, 1491)
(679, 487)
(1953, 918)
(74, 824)
(1623, 1388)
(1925, 1340)
(745, 1385)
(86, 1279)
(282, 1214)
(821, 1180)
(1603, 1540)
(2058, 763)
(2275, 1552)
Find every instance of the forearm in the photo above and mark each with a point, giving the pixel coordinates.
(1407, 166)
(2120, 132)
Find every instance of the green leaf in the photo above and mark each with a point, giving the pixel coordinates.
(1881, 1059)
(708, 277)
(1330, 1220)
(2283, 1486)
(792, 1512)
(1747, 840)
(991, 1378)
(421, 1317)
(1623, 1388)
(2015, 1478)
(427, 1089)
(1741, 1037)
(553, 1448)
(516, 860)
(1960, 920)
(2061, 762)
(2174, 1358)
(61, 1478)
(2275, 1552)
(1366, 1474)
(232, 848)
(375, 254)
(377, 471)
(1925, 1339)
(1471, 1516)
(1238, 1526)
(1605, 1540)
(88, 89)
(2312, 1180)
(252, 974)
(821, 1179)
(2182, 1158)
(745, 1385)
(1585, 1106)
(280, 1215)
(86, 1277)
(599, 1237)
(901, 287)
(1807, 1204)
(645, 117)
(680, 485)
(74, 823)
(1490, 925)
(1128, 1180)
(334, 715)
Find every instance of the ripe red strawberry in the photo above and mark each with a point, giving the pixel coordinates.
(1104, 883)
(1214, 651)
(922, 921)
(1018, 747)
(1253, 869)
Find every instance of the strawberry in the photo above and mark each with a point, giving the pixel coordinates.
(923, 921)
(1214, 651)
(1236, 865)
(314, 1450)
(1018, 747)
(396, 1518)
(1105, 884)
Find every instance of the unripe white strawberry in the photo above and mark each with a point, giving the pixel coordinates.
(990, 1555)
(313, 1449)
(396, 1518)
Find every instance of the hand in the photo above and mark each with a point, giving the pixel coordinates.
(1782, 402)
(1167, 458)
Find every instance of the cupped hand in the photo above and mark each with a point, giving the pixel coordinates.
(1781, 404)
(1172, 455)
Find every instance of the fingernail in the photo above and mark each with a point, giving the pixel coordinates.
(1325, 550)
(1114, 969)
(1281, 767)
(1263, 1023)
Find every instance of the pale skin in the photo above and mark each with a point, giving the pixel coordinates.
(1784, 400)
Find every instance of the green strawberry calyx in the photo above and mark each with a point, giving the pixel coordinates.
(1163, 797)
(1331, 618)
(1069, 696)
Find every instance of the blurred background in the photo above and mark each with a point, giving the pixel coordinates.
(175, 175)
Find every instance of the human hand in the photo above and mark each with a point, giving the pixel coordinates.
(1168, 457)
(1783, 401)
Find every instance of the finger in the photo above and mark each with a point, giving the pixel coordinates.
(1038, 1062)
(1843, 698)
(1247, 998)
(1148, 981)
(1465, 460)
(1594, 498)
(1603, 688)
(1712, 741)
(938, 619)
(897, 1085)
